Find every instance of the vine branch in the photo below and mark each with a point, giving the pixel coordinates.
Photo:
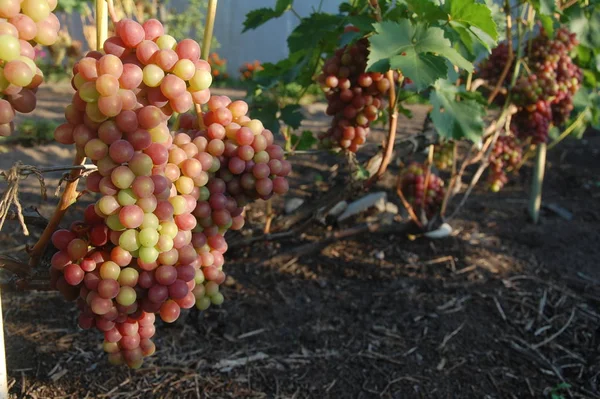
(511, 53)
(69, 195)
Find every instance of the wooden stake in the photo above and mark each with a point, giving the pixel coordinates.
(211, 14)
(535, 198)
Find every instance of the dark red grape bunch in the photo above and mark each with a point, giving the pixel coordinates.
(505, 157)
(443, 156)
(491, 69)
(355, 97)
(423, 199)
(545, 96)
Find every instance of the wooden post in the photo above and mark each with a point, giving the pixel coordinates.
(535, 198)
(101, 23)
(208, 28)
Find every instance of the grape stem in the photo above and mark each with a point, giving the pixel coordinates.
(393, 116)
(70, 194)
(51, 169)
(511, 53)
(406, 204)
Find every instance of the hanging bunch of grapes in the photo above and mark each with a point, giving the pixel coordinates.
(423, 199)
(154, 241)
(505, 157)
(545, 94)
(24, 24)
(492, 68)
(545, 97)
(354, 96)
(443, 156)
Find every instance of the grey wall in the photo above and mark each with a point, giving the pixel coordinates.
(268, 42)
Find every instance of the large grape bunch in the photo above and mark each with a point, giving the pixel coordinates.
(491, 69)
(422, 199)
(23, 24)
(153, 242)
(505, 157)
(545, 94)
(354, 96)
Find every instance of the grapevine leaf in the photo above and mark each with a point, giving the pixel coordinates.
(267, 114)
(472, 14)
(259, 17)
(400, 11)
(362, 22)
(317, 30)
(361, 173)
(426, 10)
(456, 119)
(586, 27)
(304, 142)
(285, 71)
(283, 5)
(292, 115)
(544, 7)
(422, 69)
(465, 35)
(548, 25)
(349, 38)
(418, 51)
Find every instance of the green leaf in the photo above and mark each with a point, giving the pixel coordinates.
(362, 22)
(319, 29)
(304, 142)
(548, 24)
(361, 173)
(456, 119)
(267, 114)
(544, 7)
(418, 51)
(422, 69)
(426, 10)
(258, 17)
(292, 115)
(283, 5)
(472, 14)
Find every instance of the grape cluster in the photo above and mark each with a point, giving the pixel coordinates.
(491, 69)
(154, 241)
(443, 156)
(355, 97)
(422, 199)
(23, 24)
(506, 156)
(545, 95)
